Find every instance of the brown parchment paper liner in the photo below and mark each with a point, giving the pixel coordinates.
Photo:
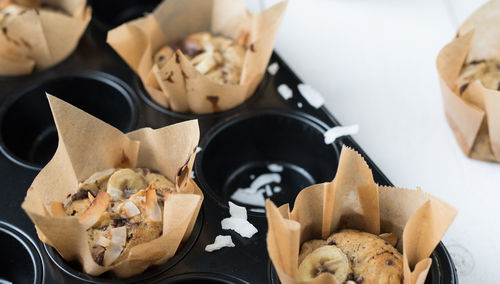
(39, 38)
(178, 85)
(88, 145)
(473, 116)
(353, 200)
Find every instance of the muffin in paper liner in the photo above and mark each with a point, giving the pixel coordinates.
(473, 112)
(86, 146)
(353, 200)
(178, 85)
(39, 38)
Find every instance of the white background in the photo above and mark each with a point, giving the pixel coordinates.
(374, 62)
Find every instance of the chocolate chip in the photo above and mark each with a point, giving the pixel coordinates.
(161, 58)
(169, 77)
(177, 59)
(252, 48)
(463, 87)
(389, 262)
(120, 222)
(97, 253)
(332, 243)
(80, 194)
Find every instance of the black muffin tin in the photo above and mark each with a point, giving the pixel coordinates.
(235, 144)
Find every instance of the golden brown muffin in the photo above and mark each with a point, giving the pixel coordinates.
(373, 259)
(486, 71)
(129, 210)
(220, 59)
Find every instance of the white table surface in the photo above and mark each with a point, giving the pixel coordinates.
(374, 62)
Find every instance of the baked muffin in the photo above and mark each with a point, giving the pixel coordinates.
(486, 71)
(219, 58)
(352, 255)
(373, 259)
(122, 208)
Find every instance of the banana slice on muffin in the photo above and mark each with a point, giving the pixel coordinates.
(325, 259)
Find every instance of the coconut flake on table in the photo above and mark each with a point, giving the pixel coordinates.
(312, 96)
(273, 68)
(238, 221)
(191, 175)
(285, 91)
(269, 191)
(220, 242)
(237, 211)
(277, 189)
(336, 132)
(299, 104)
(198, 149)
(240, 226)
(252, 176)
(258, 210)
(253, 195)
(275, 168)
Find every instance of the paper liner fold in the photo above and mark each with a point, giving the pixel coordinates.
(88, 145)
(474, 115)
(39, 38)
(353, 200)
(178, 85)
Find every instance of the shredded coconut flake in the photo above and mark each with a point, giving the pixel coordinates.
(253, 195)
(338, 131)
(240, 226)
(273, 68)
(258, 210)
(269, 192)
(220, 242)
(275, 168)
(285, 91)
(237, 211)
(312, 96)
(277, 189)
(191, 175)
(198, 150)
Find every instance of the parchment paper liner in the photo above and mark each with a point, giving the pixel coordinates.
(38, 39)
(474, 117)
(88, 145)
(178, 85)
(353, 200)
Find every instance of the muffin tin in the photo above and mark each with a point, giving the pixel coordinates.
(235, 145)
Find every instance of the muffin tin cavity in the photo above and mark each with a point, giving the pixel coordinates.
(19, 260)
(112, 13)
(28, 134)
(74, 269)
(265, 154)
(208, 278)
